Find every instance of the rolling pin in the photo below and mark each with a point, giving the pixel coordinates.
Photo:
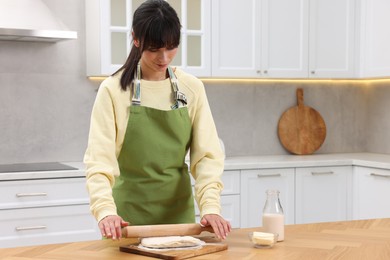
(164, 230)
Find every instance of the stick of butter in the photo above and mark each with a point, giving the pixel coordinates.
(262, 238)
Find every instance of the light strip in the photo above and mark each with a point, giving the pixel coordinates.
(301, 80)
(262, 80)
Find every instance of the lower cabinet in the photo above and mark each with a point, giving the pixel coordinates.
(254, 184)
(307, 195)
(323, 194)
(230, 198)
(371, 192)
(46, 225)
(45, 211)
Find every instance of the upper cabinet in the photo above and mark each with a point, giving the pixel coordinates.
(331, 38)
(108, 35)
(373, 38)
(259, 38)
(255, 38)
(289, 39)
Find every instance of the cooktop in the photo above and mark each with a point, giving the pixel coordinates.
(34, 167)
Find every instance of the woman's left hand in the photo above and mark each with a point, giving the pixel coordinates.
(220, 226)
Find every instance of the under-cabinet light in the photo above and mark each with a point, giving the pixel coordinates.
(263, 80)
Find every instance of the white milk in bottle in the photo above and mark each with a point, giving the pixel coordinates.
(273, 216)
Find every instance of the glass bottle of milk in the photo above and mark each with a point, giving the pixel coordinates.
(273, 216)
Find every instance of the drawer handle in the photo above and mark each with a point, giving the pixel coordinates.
(32, 194)
(29, 228)
(380, 175)
(321, 173)
(268, 175)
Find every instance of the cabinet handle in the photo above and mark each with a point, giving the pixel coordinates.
(29, 228)
(31, 194)
(380, 175)
(321, 173)
(265, 72)
(268, 175)
(313, 72)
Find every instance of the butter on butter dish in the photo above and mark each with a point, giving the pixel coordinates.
(263, 240)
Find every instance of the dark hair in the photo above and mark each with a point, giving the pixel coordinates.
(155, 25)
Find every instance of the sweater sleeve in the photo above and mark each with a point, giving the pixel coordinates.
(207, 158)
(100, 157)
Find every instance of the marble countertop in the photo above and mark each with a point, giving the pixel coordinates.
(315, 160)
(239, 162)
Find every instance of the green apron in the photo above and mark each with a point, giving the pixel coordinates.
(154, 184)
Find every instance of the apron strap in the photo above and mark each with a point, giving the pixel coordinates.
(178, 96)
(136, 87)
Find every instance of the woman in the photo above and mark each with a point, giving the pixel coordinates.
(146, 117)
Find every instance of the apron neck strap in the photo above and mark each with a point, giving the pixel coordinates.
(136, 87)
(179, 97)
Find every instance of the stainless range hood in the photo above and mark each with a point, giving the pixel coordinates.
(31, 20)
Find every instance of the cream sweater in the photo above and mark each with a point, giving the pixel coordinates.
(109, 119)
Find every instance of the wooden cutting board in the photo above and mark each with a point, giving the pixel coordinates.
(301, 129)
(175, 254)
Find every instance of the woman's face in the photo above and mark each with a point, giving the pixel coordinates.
(157, 60)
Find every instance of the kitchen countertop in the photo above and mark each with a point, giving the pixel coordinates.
(315, 160)
(359, 239)
(239, 163)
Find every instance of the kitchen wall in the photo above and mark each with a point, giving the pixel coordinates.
(46, 100)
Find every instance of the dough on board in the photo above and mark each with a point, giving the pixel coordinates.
(171, 242)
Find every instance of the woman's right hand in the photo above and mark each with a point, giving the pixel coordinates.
(111, 226)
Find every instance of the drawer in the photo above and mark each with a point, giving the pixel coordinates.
(231, 182)
(47, 225)
(43, 192)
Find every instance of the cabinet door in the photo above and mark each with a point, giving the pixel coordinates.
(323, 194)
(254, 184)
(371, 193)
(374, 38)
(284, 38)
(332, 38)
(193, 55)
(231, 209)
(236, 38)
(108, 35)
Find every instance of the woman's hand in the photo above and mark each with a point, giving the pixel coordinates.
(111, 226)
(220, 226)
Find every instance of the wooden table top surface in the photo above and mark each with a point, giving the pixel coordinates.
(360, 239)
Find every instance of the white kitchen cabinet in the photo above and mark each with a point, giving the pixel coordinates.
(371, 193)
(284, 36)
(373, 38)
(254, 184)
(45, 211)
(323, 194)
(46, 225)
(289, 39)
(108, 35)
(230, 198)
(235, 38)
(332, 38)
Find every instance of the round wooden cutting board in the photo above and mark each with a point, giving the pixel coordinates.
(301, 129)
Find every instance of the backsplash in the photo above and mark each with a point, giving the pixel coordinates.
(45, 107)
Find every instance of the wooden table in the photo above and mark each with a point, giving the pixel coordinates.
(363, 239)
